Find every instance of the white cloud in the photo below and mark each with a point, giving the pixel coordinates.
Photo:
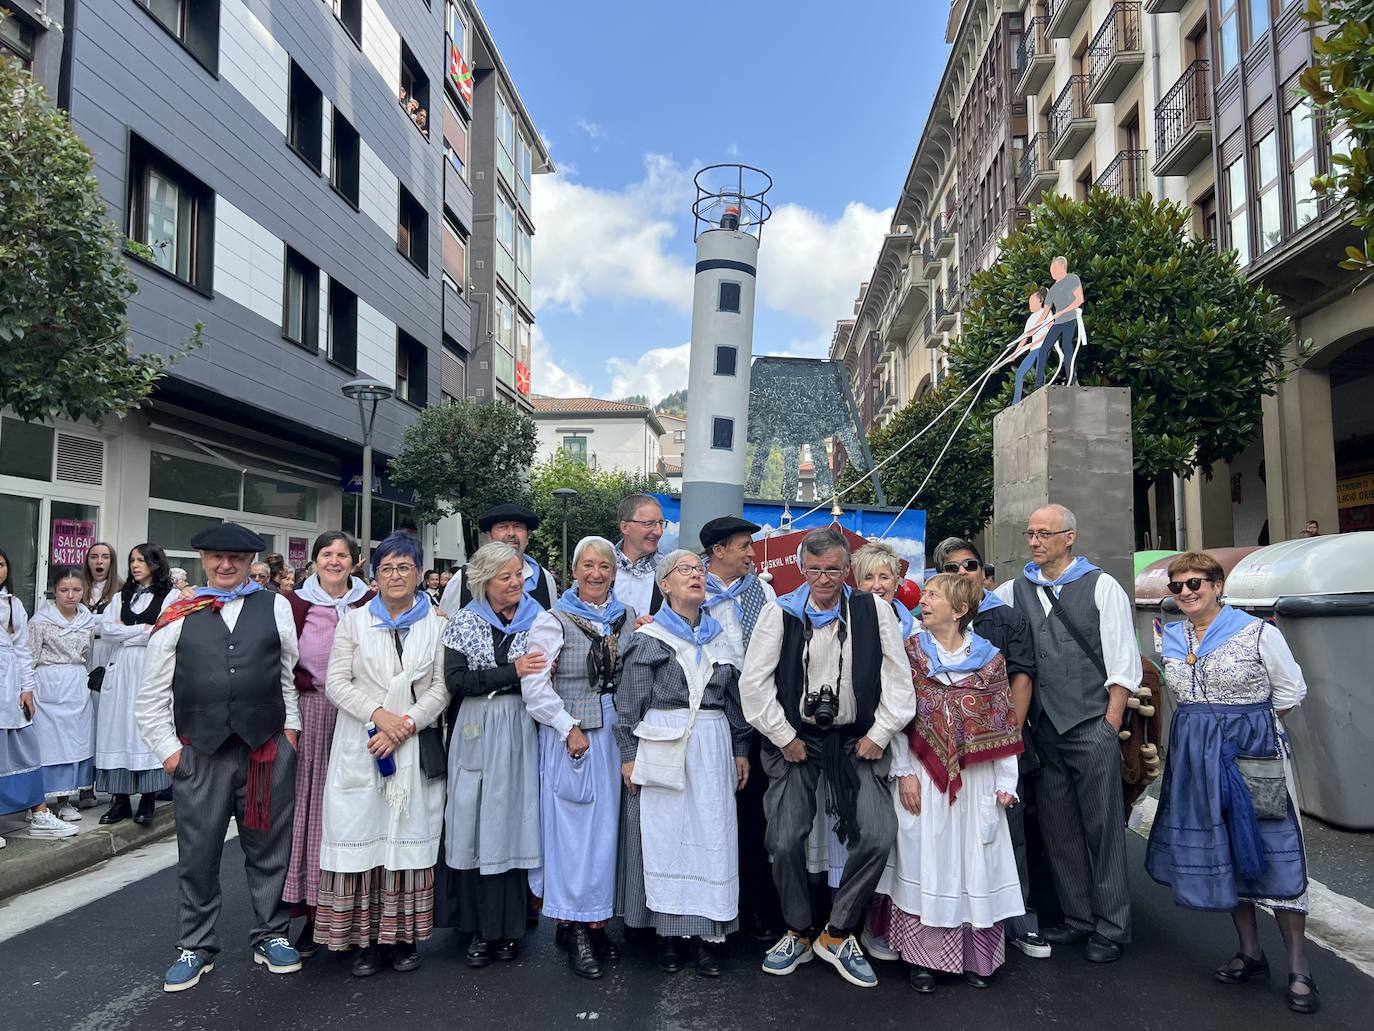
(593, 129)
(550, 378)
(656, 373)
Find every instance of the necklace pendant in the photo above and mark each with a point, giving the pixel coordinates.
(1192, 659)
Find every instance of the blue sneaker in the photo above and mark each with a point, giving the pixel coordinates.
(789, 953)
(185, 972)
(846, 957)
(278, 956)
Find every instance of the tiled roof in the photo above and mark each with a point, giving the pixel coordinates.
(582, 406)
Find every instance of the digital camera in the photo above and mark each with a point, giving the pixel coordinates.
(822, 706)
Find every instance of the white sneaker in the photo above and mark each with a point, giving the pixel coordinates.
(69, 813)
(46, 825)
(2, 842)
(877, 947)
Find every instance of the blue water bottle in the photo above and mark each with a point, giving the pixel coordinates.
(386, 765)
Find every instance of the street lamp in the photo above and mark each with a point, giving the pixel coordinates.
(565, 495)
(368, 393)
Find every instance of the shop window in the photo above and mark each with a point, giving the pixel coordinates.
(193, 482)
(26, 450)
(268, 496)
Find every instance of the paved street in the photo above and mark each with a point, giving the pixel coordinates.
(98, 967)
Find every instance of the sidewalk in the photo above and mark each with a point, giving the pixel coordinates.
(27, 863)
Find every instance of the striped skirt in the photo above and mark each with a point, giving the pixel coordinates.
(950, 949)
(318, 716)
(378, 906)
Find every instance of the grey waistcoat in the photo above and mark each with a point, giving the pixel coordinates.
(1068, 687)
(582, 701)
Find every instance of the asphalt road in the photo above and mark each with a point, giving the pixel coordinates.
(98, 968)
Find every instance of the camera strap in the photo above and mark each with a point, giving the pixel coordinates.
(841, 635)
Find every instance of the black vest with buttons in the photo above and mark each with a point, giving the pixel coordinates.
(229, 683)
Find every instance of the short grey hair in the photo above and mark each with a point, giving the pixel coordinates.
(1059, 259)
(1067, 520)
(486, 562)
(949, 546)
(632, 503)
(822, 539)
(875, 555)
(600, 545)
(667, 562)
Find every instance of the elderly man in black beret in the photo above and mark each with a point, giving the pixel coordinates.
(509, 524)
(218, 708)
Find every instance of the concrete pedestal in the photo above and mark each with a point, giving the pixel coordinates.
(1069, 446)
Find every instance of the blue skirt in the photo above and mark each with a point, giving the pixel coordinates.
(1190, 847)
(21, 770)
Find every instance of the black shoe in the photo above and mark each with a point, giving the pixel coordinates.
(923, 980)
(761, 929)
(710, 963)
(506, 949)
(119, 810)
(606, 949)
(561, 934)
(1101, 950)
(1303, 1002)
(146, 804)
(670, 959)
(368, 961)
(1064, 935)
(479, 952)
(165, 795)
(1248, 968)
(638, 935)
(974, 980)
(405, 957)
(581, 954)
(306, 945)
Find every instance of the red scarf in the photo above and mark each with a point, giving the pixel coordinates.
(184, 607)
(970, 721)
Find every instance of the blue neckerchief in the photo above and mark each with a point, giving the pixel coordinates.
(376, 608)
(717, 593)
(571, 602)
(1078, 568)
(1226, 625)
(975, 654)
(703, 633)
(990, 601)
(525, 614)
(532, 574)
(904, 617)
(241, 591)
(795, 602)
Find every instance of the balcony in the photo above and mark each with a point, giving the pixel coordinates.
(928, 328)
(1063, 17)
(1034, 59)
(1164, 6)
(1125, 176)
(930, 261)
(944, 237)
(1115, 54)
(913, 298)
(1037, 173)
(1183, 123)
(945, 318)
(1072, 122)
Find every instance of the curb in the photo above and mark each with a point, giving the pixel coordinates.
(33, 863)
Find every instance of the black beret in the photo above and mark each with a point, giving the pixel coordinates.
(723, 528)
(507, 514)
(228, 537)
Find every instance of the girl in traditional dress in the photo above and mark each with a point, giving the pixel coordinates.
(61, 637)
(952, 875)
(1234, 678)
(123, 764)
(684, 747)
(324, 599)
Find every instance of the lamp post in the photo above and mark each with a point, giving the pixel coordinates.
(368, 393)
(565, 495)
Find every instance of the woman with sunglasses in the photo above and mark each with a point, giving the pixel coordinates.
(1234, 678)
(579, 762)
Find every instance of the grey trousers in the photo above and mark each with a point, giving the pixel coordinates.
(789, 805)
(1083, 826)
(211, 788)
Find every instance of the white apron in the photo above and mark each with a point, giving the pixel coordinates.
(63, 719)
(118, 742)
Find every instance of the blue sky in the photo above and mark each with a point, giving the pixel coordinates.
(633, 97)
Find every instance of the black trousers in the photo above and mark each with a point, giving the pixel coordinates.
(758, 895)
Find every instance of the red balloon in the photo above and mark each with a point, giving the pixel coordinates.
(909, 594)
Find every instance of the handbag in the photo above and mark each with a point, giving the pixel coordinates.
(433, 754)
(95, 679)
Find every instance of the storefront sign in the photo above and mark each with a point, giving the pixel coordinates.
(71, 539)
(1355, 491)
(522, 378)
(461, 75)
(297, 552)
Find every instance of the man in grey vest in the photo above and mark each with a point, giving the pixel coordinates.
(1087, 665)
(218, 707)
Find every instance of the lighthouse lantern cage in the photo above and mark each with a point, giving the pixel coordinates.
(731, 193)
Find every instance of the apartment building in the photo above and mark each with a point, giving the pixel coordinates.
(606, 436)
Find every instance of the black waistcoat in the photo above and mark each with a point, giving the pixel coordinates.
(229, 683)
(866, 651)
(148, 616)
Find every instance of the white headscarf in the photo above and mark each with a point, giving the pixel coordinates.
(312, 592)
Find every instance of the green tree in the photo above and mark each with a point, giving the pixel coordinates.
(591, 512)
(635, 399)
(1339, 81)
(64, 287)
(674, 404)
(466, 457)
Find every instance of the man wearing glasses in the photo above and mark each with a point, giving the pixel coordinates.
(508, 524)
(1087, 665)
(641, 526)
(826, 681)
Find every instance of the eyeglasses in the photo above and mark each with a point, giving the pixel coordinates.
(1044, 535)
(972, 565)
(823, 574)
(388, 572)
(649, 524)
(688, 570)
(1193, 583)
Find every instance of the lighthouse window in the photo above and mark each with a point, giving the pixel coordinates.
(723, 434)
(729, 297)
(725, 361)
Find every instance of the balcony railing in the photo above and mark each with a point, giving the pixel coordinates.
(1125, 176)
(1061, 17)
(944, 235)
(928, 326)
(1115, 53)
(1037, 172)
(1071, 118)
(1183, 122)
(1034, 58)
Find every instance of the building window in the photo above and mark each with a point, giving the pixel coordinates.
(452, 375)
(26, 449)
(457, 28)
(505, 136)
(679, 436)
(723, 433)
(193, 482)
(523, 334)
(192, 24)
(725, 361)
(1302, 161)
(343, 326)
(305, 105)
(455, 256)
(301, 301)
(412, 369)
(1228, 35)
(414, 90)
(505, 340)
(1238, 226)
(524, 259)
(728, 299)
(505, 234)
(171, 214)
(525, 165)
(1259, 20)
(1270, 223)
(269, 496)
(18, 39)
(345, 159)
(350, 15)
(576, 448)
(455, 139)
(412, 230)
